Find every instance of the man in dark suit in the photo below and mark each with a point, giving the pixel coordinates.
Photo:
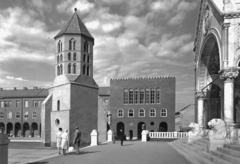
(77, 140)
(121, 136)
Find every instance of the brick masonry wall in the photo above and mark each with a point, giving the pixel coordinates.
(167, 86)
(102, 120)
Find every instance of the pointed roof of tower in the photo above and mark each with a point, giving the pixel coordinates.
(74, 26)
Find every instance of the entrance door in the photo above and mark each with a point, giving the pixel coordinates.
(141, 127)
(163, 127)
(120, 125)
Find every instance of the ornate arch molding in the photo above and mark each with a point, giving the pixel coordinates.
(211, 40)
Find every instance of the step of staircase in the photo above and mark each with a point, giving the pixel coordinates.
(194, 154)
(214, 158)
(228, 151)
(200, 147)
(226, 157)
(233, 147)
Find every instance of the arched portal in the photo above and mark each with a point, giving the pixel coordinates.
(2, 127)
(17, 129)
(141, 127)
(120, 126)
(10, 129)
(163, 127)
(26, 130)
(34, 129)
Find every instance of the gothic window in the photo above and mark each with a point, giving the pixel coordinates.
(74, 56)
(61, 69)
(141, 113)
(34, 115)
(125, 96)
(26, 115)
(158, 98)
(136, 91)
(58, 59)
(9, 103)
(152, 96)
(147, 93)
(88, 48)
(26, 104)
(163, 112)
(10, 115)
(69, 56)
(5, 104)
(39, 103)
(131, 96)
(70, 44)
(58, 70)
(141, 96)
(59, 46)
(130, 113)
(84, 69)
(152, 113)
(88, 70)
(74, 43)
(1, 115)
(61, 58)
(74, 68)
(58, 105)
(35, 104)
(18, 115)
(84, 58)
(88, 59)
(120, 113)
(69, 68)
(85, 46)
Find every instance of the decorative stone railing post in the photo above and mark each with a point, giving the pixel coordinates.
(4, 141)
(94, 138)
(144, 136)
(175, 134)
(109, 133)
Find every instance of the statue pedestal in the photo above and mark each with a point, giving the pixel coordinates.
(192, 139)
(4, 141)
(213, 144)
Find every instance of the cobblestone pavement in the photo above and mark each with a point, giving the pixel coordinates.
(133, 152)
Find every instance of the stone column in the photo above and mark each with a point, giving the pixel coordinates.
(39, 134)
(228, 76)
(200, 97)
(225, 44)
(221, 95)
(4, 141)
(13, 133)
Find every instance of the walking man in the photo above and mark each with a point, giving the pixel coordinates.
(77, 140)
(121, 136)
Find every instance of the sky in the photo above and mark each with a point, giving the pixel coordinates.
(133, 38)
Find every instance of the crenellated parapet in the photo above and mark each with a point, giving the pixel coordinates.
(145, 78)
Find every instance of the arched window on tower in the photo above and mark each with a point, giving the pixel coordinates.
(61, 58)
(84, 69)
(88, 70)
(88, 59)
(58, 70)
(74, 68)
(70, 44)
(69, 68)
(61, 70)
(69, 56)
(58, 105)
(85, 46)
(59, 46)
(84, 57)
(75, 56)
(58, 59)
(74, 45)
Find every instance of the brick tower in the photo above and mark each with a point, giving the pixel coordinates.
(74, 92)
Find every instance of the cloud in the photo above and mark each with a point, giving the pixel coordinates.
(15, 78)
(82, 5)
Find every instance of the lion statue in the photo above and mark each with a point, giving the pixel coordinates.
(219, 130)
(195, 130)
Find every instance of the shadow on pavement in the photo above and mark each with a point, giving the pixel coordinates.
(127, 144)
(38, 163)
(83, 152)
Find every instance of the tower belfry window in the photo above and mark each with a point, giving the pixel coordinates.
(58, 70)
(74, 68)
(84, 57)
(58, 59)
(59, 46)
(70, 44)
(88, 71)
(69, 56)
(88, 59)
(61, 70)
(74, 42)
(69, 68)
(61, 58)
(84, 69)
(74, 56)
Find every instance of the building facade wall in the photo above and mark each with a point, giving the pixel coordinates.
(167, 101)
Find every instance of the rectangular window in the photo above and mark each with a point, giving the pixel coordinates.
(26, 104)
(136, 97)
(158, 97)
(125, 97)
(5, 104)
(17, 103)
(2, 104)
(152, 96)
(9, 103)
(1, 115)
(17, 115)
(34, 115)
(39, 103)
(131, 97)
(141, 96)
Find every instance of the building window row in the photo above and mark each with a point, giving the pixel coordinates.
(141, 112)
(142, 96)
(70, 57)
(72, 44)
(9, 104)
(60, 46)
(6, 104)
(17, 115)
(86, 70)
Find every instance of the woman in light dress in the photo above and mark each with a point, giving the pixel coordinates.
(64, 143)
(59, 139)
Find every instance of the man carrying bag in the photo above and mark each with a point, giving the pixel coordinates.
(77, 140)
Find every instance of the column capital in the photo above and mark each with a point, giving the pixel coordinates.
(200, 95)
(226, 25)
(228, 75)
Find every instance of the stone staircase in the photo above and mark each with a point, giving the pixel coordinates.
(196, 152)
